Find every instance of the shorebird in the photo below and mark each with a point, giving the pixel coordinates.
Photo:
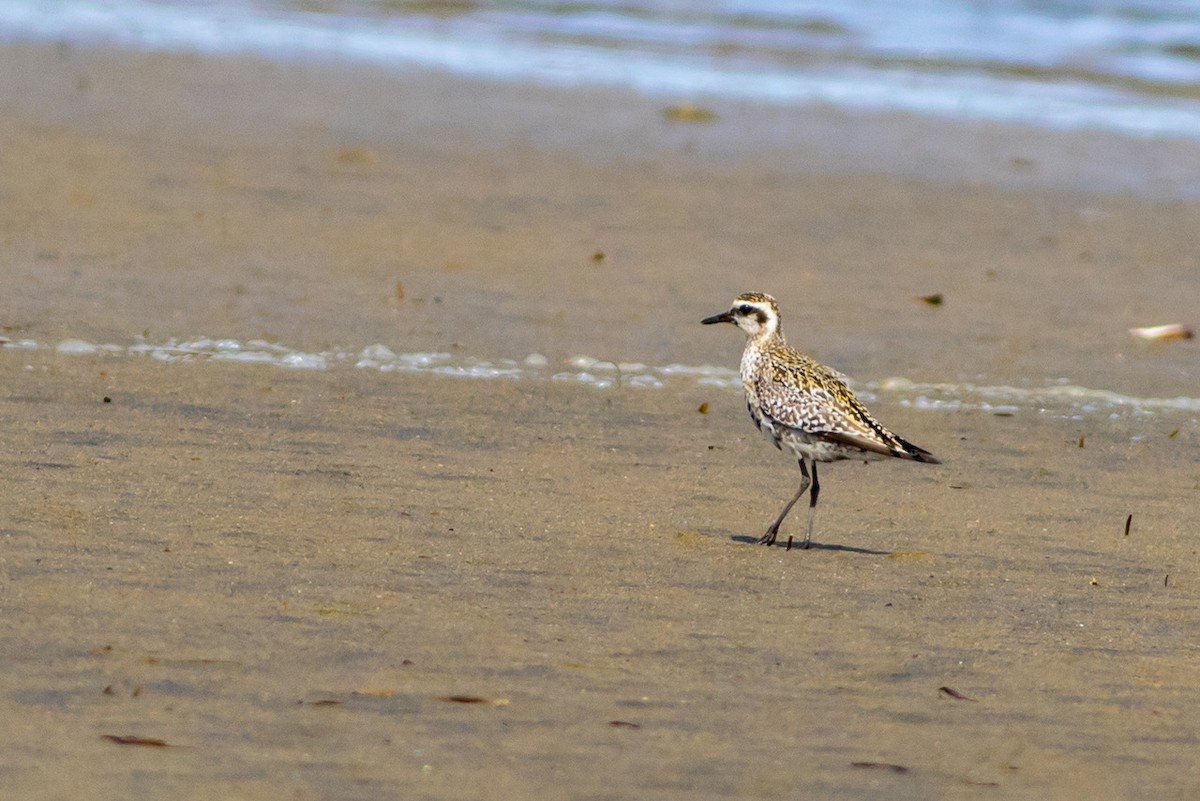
(804, 406)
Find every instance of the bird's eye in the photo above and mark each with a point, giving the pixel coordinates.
(745, 309)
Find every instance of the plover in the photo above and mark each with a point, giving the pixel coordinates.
(804, 406)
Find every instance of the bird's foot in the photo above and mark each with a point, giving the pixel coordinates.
(769, 537)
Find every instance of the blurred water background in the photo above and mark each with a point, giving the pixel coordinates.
(1125, 66)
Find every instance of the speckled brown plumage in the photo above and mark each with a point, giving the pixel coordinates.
(802, 405)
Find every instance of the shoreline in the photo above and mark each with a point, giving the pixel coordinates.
(1056, 400)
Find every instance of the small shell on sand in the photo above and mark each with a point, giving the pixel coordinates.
(1158, 333)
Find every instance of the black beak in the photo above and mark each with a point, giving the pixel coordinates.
(725, 317)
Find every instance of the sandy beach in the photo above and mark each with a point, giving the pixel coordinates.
(352, 584)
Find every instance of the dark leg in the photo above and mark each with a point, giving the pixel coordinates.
(773, 531)
(812, 505)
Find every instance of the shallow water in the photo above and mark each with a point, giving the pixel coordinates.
(1130, 66)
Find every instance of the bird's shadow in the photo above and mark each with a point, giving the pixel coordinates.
(812, 546)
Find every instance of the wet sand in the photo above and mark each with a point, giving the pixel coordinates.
(299, 580)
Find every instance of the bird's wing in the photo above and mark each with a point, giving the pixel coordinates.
(820, 404)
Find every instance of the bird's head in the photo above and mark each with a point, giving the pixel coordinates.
(755, 313)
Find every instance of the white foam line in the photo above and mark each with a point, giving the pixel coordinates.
(1084, 398)
(1060, 398)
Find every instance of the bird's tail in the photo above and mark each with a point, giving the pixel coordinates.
(907, 450)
